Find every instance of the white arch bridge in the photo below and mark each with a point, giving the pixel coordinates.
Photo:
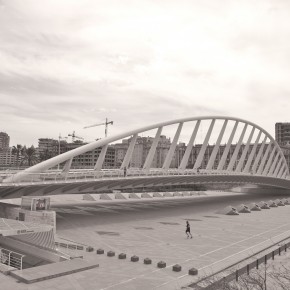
(242, 153)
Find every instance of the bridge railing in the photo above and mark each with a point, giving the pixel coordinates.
(57, 176)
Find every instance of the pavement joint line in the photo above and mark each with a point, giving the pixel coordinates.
(230, 245)
(158, 240)
(269, 239)
(139, 276)
(210, 265)
(128, 280)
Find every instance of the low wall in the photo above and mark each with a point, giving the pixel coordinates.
(19, 246)
(16, 213)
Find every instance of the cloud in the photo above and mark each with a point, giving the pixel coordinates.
(70, 63)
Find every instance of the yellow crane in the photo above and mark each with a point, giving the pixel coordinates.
(106, 126)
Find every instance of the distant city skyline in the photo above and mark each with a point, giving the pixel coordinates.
(68, 138)
(69, 64)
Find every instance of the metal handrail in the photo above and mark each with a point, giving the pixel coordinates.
(11, 258)
(56, 176)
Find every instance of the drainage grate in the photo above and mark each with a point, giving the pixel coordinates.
(167, 223)
(143, 228)
(107, 233)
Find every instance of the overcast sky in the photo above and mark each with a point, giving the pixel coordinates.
(65, 64)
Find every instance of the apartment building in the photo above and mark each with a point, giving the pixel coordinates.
(4, 141)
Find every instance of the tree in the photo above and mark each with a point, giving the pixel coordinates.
(17, 150)
(29, 156)
(47, 154)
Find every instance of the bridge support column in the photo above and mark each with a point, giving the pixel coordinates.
(101, 158)
(258, 157)
(186, 155)
(66, 168)
(281, 171)
(212, 158)
(278, 167)
(251, 156)
(237, 149)
(245, 151)
(152, 150)
(273, 164)
(203, 147)
(170, 153)
(284, 174)
(129, 152)
(269, 162)
(261, 167)
(227, 149)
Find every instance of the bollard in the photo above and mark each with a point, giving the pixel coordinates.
(257, 264)
(122, 256)
(237, 275)
(161, 264)
(134, 258)
(176, 268)
(192, 271)
(110, 254)
(89, 249)
(273, 255)
(248, 269)
(100, 251)
(147, 261)
(279, 251)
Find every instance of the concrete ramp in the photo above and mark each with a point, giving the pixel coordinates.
(146, 195)
(157, 194)
(242, 208)
(263, 205)
(119, 196)
(228, 210)
(254, 207)
(53, 270)
(279, 202)
(88, 197)
(133, 195)
(272, 203)
(105, 196)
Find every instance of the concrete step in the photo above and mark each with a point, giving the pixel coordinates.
(53, 270)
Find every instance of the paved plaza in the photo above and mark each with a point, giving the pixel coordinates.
(156, 229)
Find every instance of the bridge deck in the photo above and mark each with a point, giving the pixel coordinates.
(99, 185)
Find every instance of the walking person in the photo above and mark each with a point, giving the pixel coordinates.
(187, 231)
(125, 171)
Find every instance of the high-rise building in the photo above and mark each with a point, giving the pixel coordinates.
(141, 150)
(8, 159)
(4, 141)
(48, 148)
(282, 134)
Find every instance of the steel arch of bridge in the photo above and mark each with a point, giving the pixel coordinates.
(264, 160)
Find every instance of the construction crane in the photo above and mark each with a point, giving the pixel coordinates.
(73, 136)
(106, 126)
